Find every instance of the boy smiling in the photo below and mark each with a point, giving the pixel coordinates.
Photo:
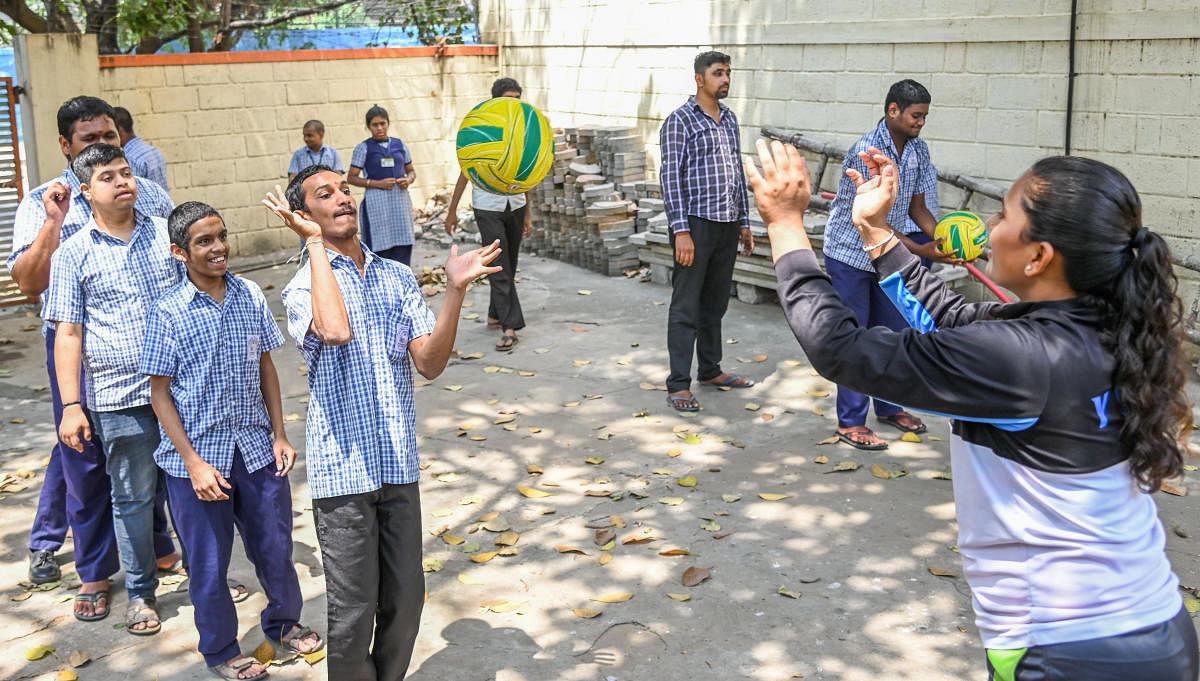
(216, 393)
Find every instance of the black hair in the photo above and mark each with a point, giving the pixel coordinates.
(707, 59)
(81, 108)
(905, 93)
(123, 119)
(1091, 214)
(314, 124)
(375, 112)
(295, 189)
(99, 154)
(186, 214)
(503, 85)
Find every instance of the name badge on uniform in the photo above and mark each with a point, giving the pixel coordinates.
(387, 163)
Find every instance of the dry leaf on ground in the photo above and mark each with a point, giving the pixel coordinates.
(843, 466)
(772, 496)
(614, 598)
(532, 493)
(694, 575)
(604, 536)
(938, 572)
(910, 437)
(564, 548)
(784, 591)
(586, 613)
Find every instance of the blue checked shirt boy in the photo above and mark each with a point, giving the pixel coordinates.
(212, 352)
(109, 287)
(917, 177)
(361, 430)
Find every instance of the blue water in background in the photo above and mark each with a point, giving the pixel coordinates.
(302, 39)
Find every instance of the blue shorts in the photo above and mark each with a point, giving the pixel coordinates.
(1163, 652)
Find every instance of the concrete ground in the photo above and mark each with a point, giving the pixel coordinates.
(574, 401)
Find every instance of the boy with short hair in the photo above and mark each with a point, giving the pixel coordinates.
(357, 319)
(215, 391)
(103, 282)
(314, 152)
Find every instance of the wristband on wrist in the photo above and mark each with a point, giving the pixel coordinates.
(881, 244)
(70, 404)
(313, 241)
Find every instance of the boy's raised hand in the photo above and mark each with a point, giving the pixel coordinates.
(278, 204)
(875, 196)
(462, 269)
(784, 187)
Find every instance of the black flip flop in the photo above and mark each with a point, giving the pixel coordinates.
(92, 598)
(845, 437)
(894, 421)
(512, 343)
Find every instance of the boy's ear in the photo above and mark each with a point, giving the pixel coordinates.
(86, 190)
(178, 253)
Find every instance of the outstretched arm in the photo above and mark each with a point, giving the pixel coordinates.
(430, 353)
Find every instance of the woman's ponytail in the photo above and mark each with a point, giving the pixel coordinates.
(1091, 214)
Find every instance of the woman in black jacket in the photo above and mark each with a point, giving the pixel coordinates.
(1067, 408)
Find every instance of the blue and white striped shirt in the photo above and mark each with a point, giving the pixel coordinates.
(362, 430)
(917, 176)
(109, 286)
(147, 161)
(701, 170)
(212, 353)
(304, 157)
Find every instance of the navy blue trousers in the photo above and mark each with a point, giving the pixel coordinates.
(260, 506)
(75, 492)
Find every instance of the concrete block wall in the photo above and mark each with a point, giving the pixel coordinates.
(228, 130)
(997, 70)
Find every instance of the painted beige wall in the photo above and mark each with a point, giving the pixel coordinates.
(228, 130)
(996, 69)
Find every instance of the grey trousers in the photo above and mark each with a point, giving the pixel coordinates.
(371, 548)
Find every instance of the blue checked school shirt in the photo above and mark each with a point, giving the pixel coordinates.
(147, 161)
(304, 157)
(212, 353)
(389, 212)
(361, 430)
(917, 176)
(701, 170)
(109, 286)
(31, 214)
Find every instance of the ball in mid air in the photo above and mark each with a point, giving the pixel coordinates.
(505, 146)
(963, 232)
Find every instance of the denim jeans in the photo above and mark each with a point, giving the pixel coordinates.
(129, 437)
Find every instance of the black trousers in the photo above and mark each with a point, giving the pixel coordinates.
(699, 298)
(371, 549)
(508, 227)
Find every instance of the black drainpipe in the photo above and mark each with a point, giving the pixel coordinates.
(1070, 77)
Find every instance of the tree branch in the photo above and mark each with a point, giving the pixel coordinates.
(24, 17)
(245, 24)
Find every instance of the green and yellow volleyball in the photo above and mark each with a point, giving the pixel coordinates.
(963, 232)
(505, 146)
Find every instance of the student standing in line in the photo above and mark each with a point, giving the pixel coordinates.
(145, 159)
(898, 135)
(216, 393)
(314, 152)
(508, 219)
(75, 489)
(357, 319)
(104, 281)
(704, 191)
(1069, 408)
(384, 166)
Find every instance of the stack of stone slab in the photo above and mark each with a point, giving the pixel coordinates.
(589, 205)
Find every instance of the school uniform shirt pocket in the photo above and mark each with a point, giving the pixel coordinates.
(397, 336)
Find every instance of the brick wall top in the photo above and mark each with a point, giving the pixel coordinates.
(268, 56)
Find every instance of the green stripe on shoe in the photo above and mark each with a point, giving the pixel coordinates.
(1004, 663)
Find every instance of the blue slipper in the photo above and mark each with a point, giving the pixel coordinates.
(731, 382)
(681, 403)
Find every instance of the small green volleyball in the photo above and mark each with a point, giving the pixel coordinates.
(505, 146)
(964, 232)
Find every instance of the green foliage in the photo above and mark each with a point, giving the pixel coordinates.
(429, 20)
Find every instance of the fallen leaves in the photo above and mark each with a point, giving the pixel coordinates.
(843, 467)
(594, 460)
(752, 406)
(730, 498)
(565, 548)
(586, 613)
(885, 474)
(1173, 490)
(532, 493)
(687, 481)
(614, 597)
(501, 606)
(772, 496)
(675, 552)
(431, 565)
(38, 652)
(910, 437)
(942, 475)
(466, 578)
(508, 538)
(453, 388)
(784, 591)
(694, 575)
(938, 572)
(680, 597)
(671, 501)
